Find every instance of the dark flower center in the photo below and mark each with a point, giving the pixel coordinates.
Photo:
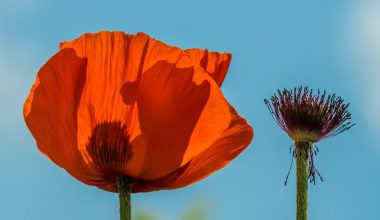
(109, 148)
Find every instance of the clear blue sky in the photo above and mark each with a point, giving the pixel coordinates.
(333, 45)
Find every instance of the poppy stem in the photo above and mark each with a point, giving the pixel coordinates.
(302, 150)
(124, 186)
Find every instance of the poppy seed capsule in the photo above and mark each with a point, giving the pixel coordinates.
(308, 117)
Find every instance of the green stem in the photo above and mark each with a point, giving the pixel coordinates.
(124, 185)
(302, 149)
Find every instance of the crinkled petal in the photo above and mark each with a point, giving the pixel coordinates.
(50, 112)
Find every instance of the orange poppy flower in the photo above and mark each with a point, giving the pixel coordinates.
(110, 104)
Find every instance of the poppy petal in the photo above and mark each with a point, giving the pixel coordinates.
(215, 64)
(229, 145)
(168, 117)
(114, 59)
(50, 112)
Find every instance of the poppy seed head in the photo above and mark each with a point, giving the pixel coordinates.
(308, 117)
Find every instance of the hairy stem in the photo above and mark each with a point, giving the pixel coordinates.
(302, 150)
(124, 186)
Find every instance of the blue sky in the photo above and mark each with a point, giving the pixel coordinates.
(332, 45)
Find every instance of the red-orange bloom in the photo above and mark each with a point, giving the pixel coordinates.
(112, 104)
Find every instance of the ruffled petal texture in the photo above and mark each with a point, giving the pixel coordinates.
(110, 104)
(50, 112)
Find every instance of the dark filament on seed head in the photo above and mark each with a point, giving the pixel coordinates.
(299, 111)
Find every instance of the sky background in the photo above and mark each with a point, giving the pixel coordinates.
(332, 45)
